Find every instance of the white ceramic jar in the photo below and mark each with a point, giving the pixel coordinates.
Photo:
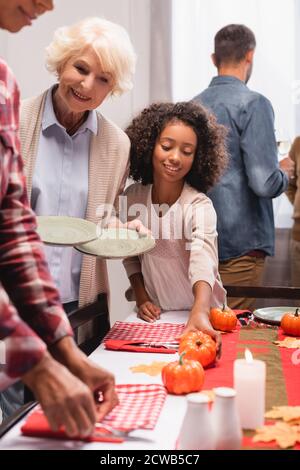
(225, 420)
(196, 430)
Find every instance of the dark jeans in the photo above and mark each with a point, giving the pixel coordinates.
(12, 398)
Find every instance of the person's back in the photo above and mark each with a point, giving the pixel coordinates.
(243, 197)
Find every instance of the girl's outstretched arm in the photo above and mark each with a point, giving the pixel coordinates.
(199, 314)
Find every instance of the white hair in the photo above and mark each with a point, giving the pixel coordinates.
(109, 40)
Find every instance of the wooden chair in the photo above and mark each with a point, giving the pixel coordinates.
(90, 324)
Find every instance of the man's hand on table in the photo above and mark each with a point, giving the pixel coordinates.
(65, 400)
(68, 387)
(99, 380)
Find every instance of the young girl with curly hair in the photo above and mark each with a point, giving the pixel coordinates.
(177, 154)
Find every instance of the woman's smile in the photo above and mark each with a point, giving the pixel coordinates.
(79, 95)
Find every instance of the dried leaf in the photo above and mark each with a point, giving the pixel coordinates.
(287, 413)
(289, 342)
(152, 369)
(284, 434)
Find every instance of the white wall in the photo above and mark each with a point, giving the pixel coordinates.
(25, 54)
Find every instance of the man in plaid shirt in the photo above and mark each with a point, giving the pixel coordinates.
(40, 349)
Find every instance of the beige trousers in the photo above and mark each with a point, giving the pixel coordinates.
(242, 271)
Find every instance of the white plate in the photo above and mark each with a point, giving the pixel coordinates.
(62, 230)
(117, 244)
(272, 315)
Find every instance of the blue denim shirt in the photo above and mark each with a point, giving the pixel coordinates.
(243, 197)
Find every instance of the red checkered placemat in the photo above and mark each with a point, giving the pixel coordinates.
(139, 407)
(145, 332)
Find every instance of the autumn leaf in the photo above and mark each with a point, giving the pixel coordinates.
(152, 369)
(284, 434)
(289, 342)
(287, 413)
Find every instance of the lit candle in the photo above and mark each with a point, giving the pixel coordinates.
(249, 382)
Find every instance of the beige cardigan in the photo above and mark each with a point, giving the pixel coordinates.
(108, 170)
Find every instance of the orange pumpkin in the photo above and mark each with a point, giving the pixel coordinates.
(183, 376)
(199, 347)
(223, 319)
(290, 323)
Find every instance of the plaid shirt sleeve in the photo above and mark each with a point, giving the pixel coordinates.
(39, 318)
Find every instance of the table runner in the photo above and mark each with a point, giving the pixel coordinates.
(283, 370)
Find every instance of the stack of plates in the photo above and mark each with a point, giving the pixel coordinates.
(110, 243)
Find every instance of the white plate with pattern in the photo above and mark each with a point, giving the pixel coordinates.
(63, 230)
(118, 243)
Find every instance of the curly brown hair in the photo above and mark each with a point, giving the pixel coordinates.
(210, 157)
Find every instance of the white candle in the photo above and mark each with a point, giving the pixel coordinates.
(249, 382)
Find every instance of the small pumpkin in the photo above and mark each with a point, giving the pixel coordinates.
(290, 323)
(183, 376)
(223, 319)
(199, 347)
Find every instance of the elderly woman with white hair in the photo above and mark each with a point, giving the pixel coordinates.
(75, 159)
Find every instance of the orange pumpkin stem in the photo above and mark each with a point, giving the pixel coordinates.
(296, 313)
(198, 342)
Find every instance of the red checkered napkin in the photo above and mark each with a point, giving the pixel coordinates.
(36, 425)
(145, 332)
(140, 406)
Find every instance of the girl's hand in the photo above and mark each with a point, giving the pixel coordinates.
(149, 312)
(137, 225)
(202, 323)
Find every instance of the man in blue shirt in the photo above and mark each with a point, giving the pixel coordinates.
(243, 197)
